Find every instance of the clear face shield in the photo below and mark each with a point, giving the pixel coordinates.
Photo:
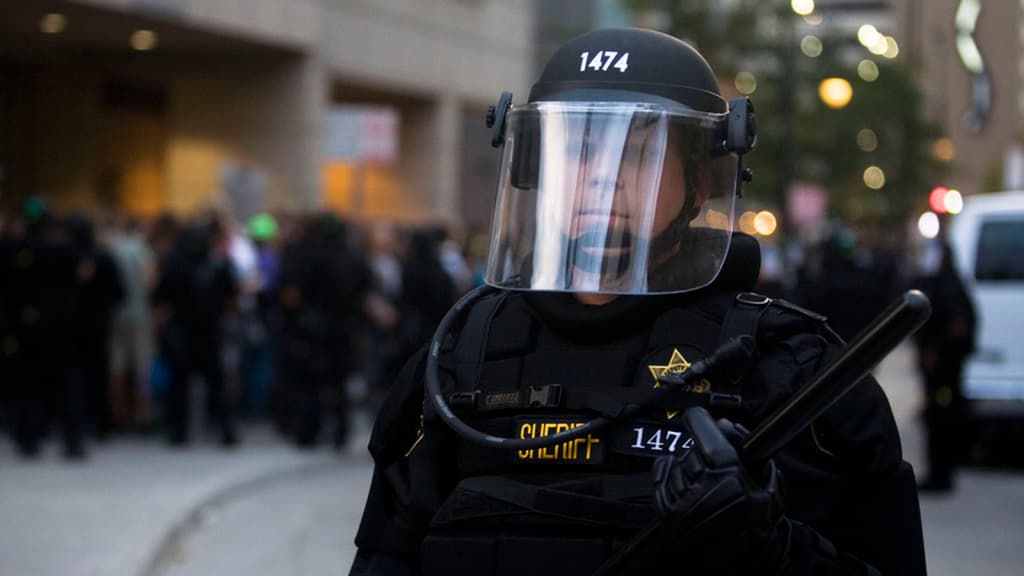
(612, 197)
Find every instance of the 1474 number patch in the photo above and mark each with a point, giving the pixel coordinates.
(649, 440)
(602, 60)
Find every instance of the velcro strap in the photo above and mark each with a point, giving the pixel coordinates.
(560, 502)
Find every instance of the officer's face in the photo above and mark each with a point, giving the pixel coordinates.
(620, 200)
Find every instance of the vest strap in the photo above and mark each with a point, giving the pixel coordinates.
(744, 315)
(469, 358)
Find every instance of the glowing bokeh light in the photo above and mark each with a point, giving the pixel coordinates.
(928, 225)
(874, 177)
(143, 40)
(53, 23)
(944, 150)
(937, 199)
(867, 140)
(867, 35)
(953, 202)
(765, 223)
(835, 92)
(811, 46)
(867, 70)
(746, 83)
(802, 7)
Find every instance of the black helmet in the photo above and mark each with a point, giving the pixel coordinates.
(631, 65)
(620, 173)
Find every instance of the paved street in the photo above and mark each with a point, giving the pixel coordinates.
(137, 508)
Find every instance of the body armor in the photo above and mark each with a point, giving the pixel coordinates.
(514, 370)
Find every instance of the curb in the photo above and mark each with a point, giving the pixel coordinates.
(166, 553)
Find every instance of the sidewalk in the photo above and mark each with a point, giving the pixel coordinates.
(113, 514)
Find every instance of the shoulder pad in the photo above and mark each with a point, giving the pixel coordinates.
(776, 318)
(820, 320)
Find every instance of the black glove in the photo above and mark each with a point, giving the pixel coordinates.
(728, 518)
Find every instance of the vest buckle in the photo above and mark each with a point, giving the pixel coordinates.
(549, 396)
(463, 400)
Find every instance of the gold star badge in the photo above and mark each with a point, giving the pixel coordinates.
(677, 364)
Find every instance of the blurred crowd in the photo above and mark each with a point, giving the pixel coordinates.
(847, 274)
(180, 328)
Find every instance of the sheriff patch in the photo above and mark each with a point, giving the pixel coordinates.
(677, 364)
(587, 449)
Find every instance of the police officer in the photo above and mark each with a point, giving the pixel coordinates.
(616, 270)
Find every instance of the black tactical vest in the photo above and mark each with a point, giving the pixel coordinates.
(516, 370)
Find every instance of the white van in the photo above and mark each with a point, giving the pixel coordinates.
(988, 240)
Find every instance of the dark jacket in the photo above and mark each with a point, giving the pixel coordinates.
(845, 478)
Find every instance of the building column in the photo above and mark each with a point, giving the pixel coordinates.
(446, 155)
(304, 182)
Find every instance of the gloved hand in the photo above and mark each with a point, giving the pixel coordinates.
(730, 518)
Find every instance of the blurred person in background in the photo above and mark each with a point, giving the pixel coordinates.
(40, 292)
(477, 242)
(383, 348)
(257, 315)
(8, 341)
(324, 283)
(428, 290)
(98, 292)
(196, 291)
(131, 348)
(943, 343)
(454, 262)
(845, 280)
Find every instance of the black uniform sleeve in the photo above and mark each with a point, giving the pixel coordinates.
(408, 482)
(884, 517)
(852, 496)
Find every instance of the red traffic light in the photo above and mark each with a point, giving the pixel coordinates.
(937, 199)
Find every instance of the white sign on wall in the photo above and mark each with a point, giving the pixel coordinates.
(363, 134)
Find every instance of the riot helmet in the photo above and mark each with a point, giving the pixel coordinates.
(620, 173)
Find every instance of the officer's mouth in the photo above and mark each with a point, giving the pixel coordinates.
(605, 243)
(614, 222)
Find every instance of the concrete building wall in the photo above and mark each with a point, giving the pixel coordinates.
(264, 114)
(928, 38)
(466, 48)
(434, 60)
(293, 23)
